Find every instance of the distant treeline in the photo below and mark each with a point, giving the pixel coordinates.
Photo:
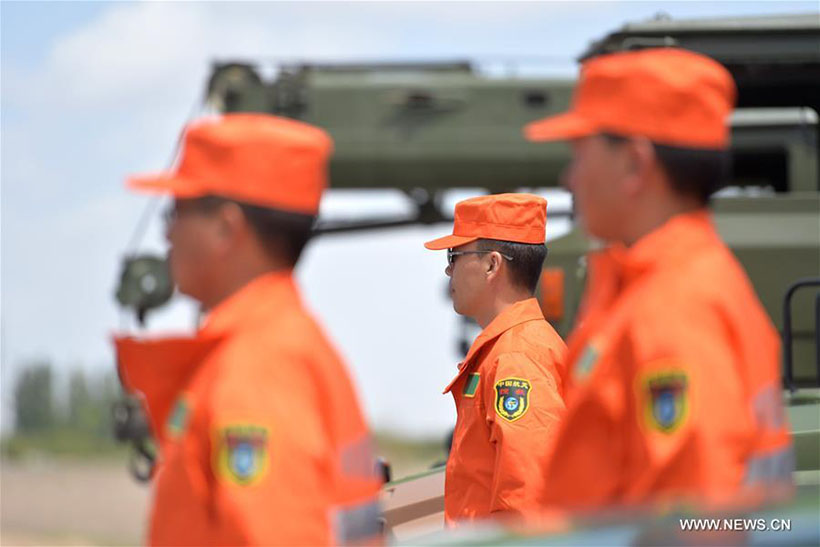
(53, 416)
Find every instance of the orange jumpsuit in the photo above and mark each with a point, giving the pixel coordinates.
(261, 438)
(674, 387)
(508, 398)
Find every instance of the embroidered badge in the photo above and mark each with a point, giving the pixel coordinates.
(471, 385)
(666, 400)
(512, 398)
(178, 419)
(241, 453)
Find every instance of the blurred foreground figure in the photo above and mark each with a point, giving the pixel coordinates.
(508, 388)
(674, 379)
(261, 438)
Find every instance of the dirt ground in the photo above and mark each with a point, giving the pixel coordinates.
(68, 502)
(61, 501)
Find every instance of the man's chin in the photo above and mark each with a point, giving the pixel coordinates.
(185, 288)
(592, 230)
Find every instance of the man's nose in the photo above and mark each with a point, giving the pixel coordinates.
(448, 271)
(169, 232)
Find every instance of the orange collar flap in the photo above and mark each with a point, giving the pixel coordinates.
(462, 367)
(159, 369)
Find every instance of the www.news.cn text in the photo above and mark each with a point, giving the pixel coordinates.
(735, 525)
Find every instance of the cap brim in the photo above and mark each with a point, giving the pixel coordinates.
(448, 242)
(565, 126)
(163, 183)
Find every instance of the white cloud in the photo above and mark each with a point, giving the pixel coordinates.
(141, 55)
(132, 52)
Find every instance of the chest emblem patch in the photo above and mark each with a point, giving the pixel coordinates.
(512, 398)
(667, 403)
(241, 453)
(586, 364)
(178, 420)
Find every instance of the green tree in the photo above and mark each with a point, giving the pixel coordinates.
(33, 399)
(82, 416)
(89, 403)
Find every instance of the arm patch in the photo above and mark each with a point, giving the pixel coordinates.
(241, 453)
(512, 398)
(666, 400)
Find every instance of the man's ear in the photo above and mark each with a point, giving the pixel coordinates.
(494, 264)
(231, 223)
(640, 157)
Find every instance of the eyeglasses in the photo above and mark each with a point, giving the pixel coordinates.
(205, 204)
(169, 214)
(451, 255)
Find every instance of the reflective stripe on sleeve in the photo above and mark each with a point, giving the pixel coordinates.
(356, 459)
(358, 522)
(775, 467)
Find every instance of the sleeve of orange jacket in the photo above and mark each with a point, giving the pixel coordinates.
(356, 515)
(688, 405)
(283, 471)
(605, 453)
(642, 424)
(270, 460)
(523, 407)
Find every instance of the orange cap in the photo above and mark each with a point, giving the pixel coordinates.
(671, 96)
(507, 217)
(255, 158)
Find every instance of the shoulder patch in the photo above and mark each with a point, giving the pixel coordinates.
(512, 398)
(666, 400)
(241, 453)
(471, 384)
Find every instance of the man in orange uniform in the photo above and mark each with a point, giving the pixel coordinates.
(261, 439)
(508, 388)
(674, 384)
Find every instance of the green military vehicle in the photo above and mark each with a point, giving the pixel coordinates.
(425, 128)
(769, 215)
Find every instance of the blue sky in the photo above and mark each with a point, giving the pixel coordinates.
(94, 91)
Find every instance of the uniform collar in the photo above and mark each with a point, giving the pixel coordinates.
(616, 267)
(520, 312)
(254, 299)
(160, 368)
(677, 239)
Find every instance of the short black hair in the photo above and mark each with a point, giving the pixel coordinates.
(283, 234)
(527, 260)
(692, 172)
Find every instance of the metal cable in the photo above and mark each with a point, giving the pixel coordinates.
(151, 206)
